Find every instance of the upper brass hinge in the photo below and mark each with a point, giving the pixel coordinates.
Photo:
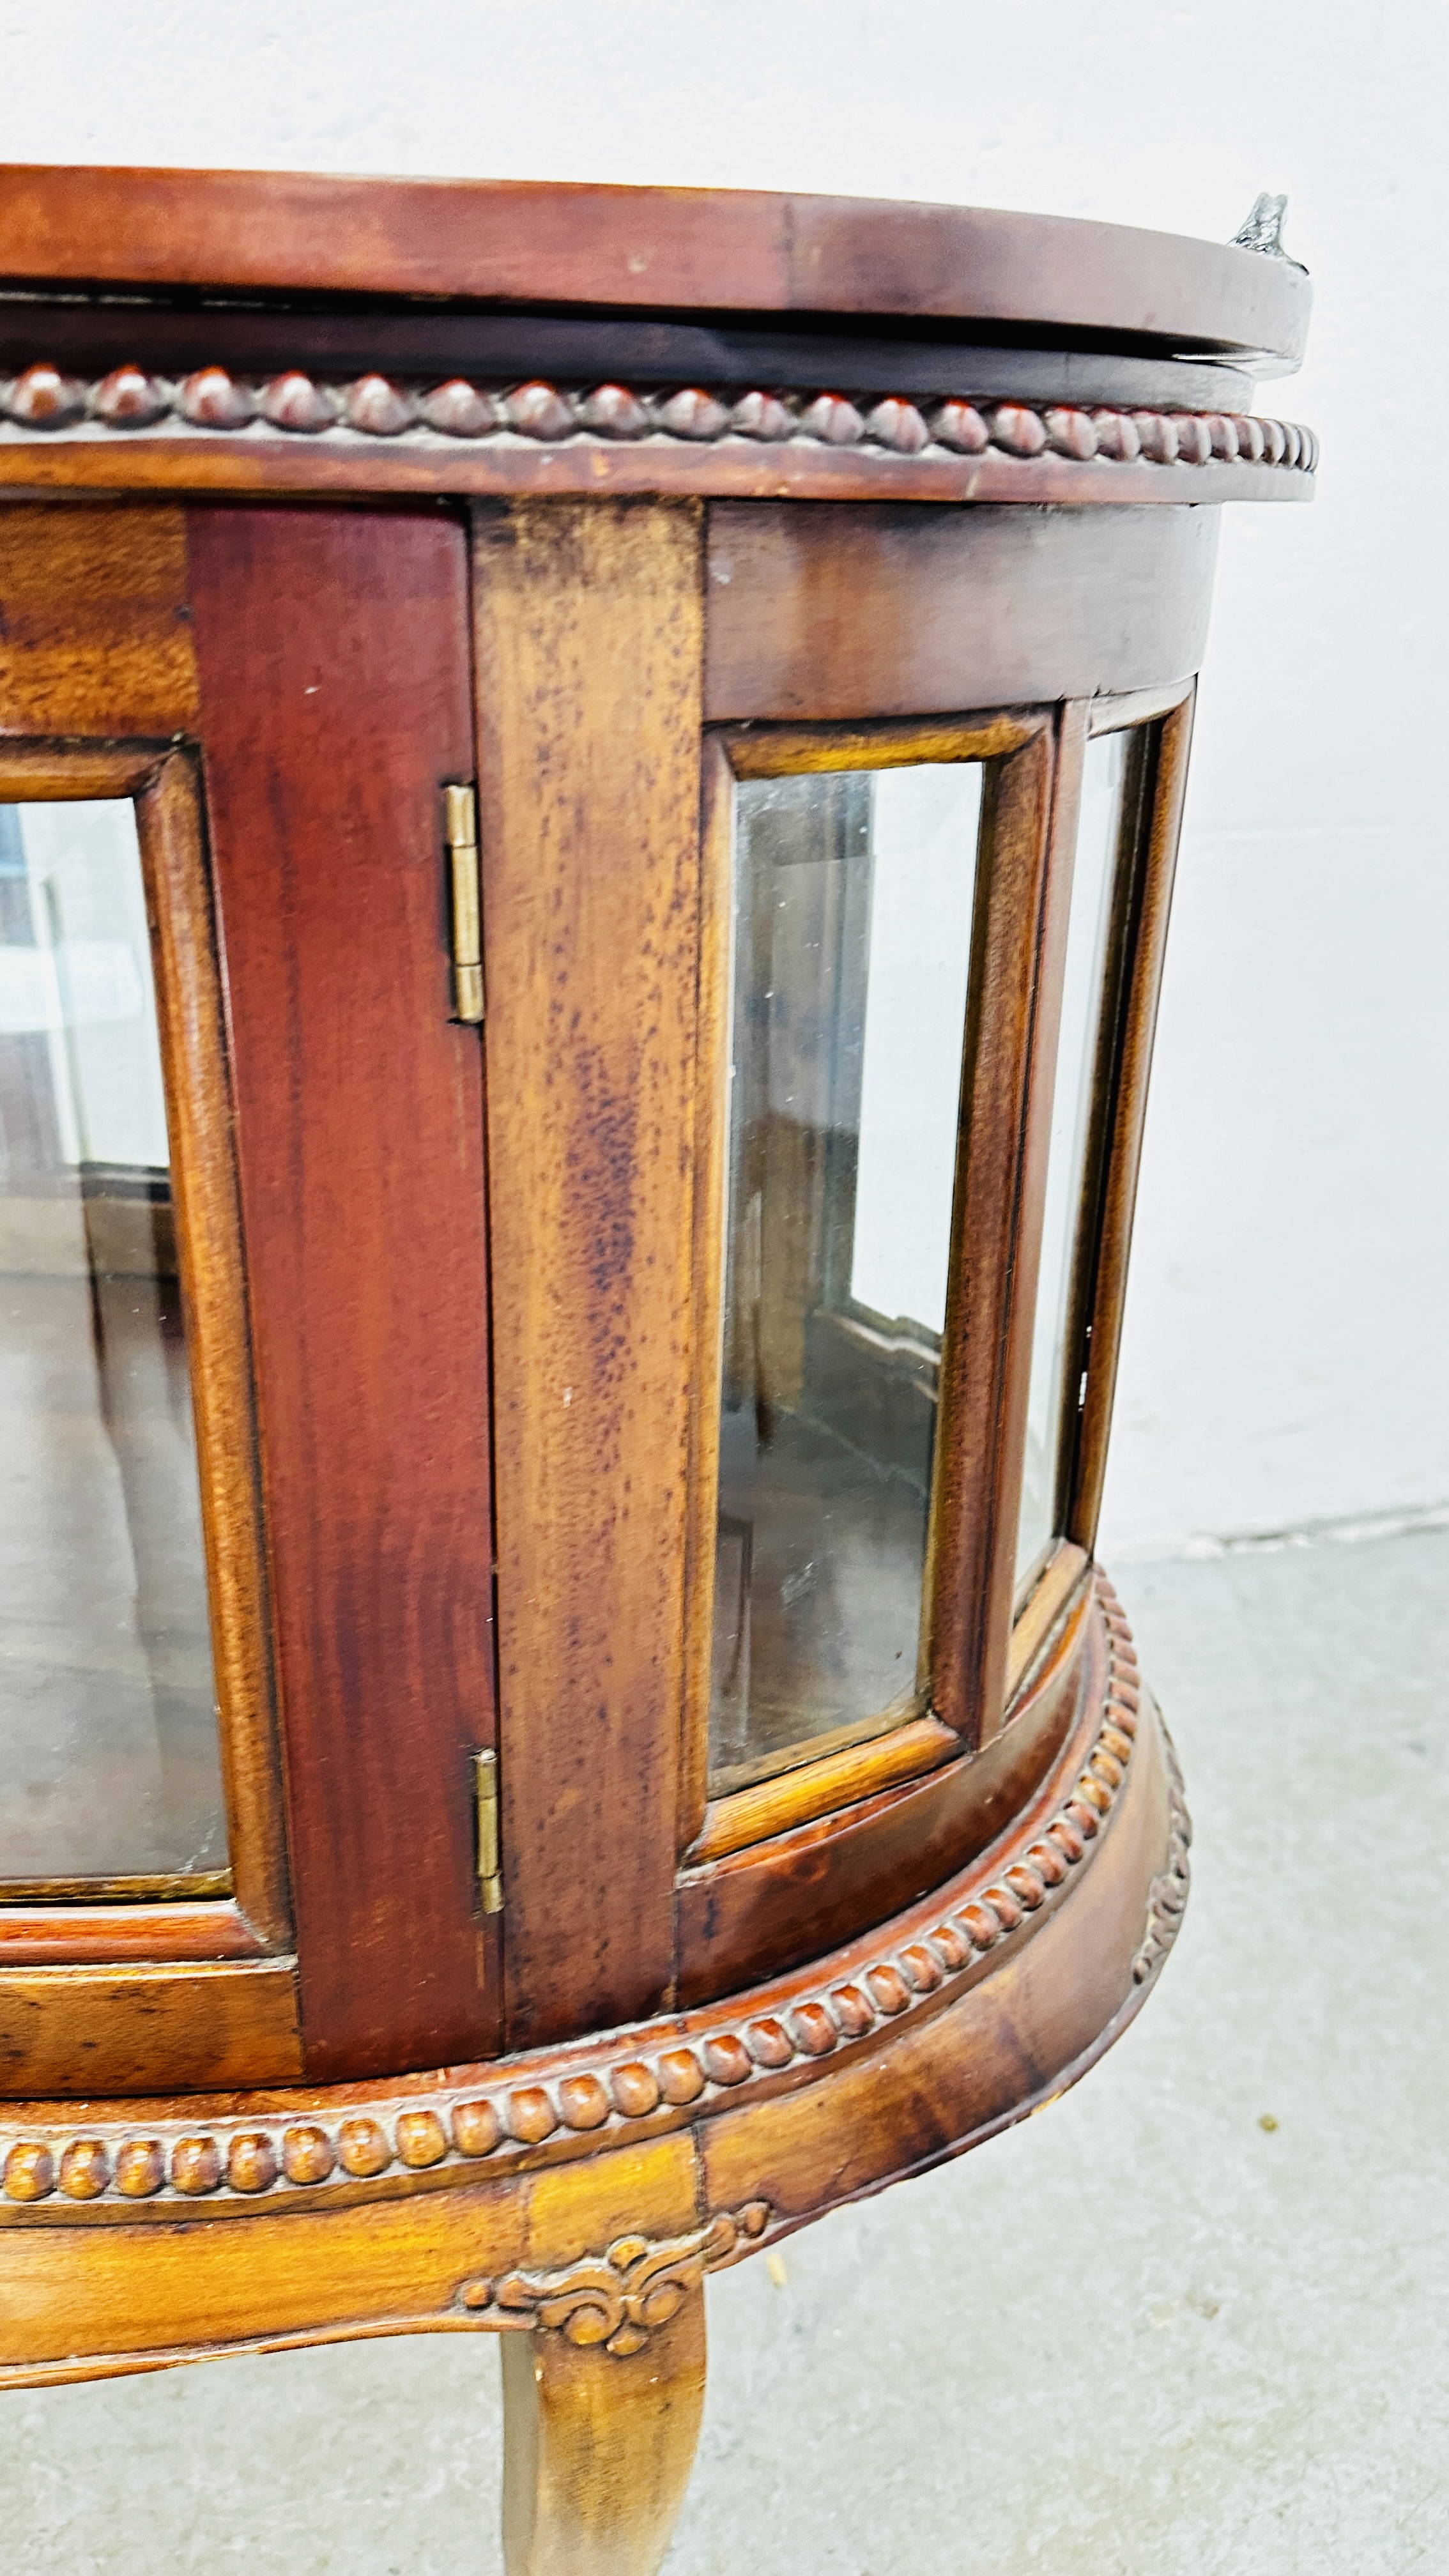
(485, 1798)
(460, 833)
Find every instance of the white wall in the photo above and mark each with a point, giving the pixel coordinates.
(1285, 1356)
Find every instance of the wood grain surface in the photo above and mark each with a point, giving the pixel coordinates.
(117, 2029)
(710, 1147)
(847, 612)
(712, 249)
(44, 1934)
(95, 633)
(588, 654)
(333, 657)
(597, 2450)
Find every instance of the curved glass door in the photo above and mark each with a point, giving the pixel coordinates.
(109, 1751)
(854, 895)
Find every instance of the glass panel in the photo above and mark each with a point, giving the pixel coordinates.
(1050, 1403)
(854, 894)
(109, 1753)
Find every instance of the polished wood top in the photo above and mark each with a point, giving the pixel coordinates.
(661, 250)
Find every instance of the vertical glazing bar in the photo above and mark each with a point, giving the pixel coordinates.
(1076, 1006)
(711, 1147)
(219, 1332)
(1127, 1095)
(983, 1384)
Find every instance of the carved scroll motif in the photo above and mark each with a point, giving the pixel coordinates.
(618, 2299)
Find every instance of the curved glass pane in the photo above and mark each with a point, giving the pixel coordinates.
(1051, 1403)
(853, 909)
(109, 1753)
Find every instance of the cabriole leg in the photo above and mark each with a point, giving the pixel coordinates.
(598, 2446)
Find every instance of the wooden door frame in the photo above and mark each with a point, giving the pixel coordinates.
(962, 1664)
(250, 1916)
(925, 1778)
(1151, 832)
(138, 648)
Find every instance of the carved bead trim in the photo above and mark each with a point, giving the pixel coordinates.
(713, 2060)
(617, 2299)
(1168, 1893)
(373, 406)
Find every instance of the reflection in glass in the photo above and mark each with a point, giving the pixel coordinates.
(853, 906)
(1050, 1402)
(109, 1760)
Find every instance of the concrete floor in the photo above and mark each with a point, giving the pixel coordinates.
(1144, 2335)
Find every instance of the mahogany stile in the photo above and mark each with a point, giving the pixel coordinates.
(333, 661)
(589, 654)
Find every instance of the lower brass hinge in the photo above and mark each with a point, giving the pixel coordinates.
(485, 1796)
(460, 832)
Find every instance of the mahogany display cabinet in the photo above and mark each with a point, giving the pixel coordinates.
(589, 782)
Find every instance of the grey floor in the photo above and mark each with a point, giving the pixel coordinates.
(1190, 2322)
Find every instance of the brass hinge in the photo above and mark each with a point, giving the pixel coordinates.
(460, 832)
(485, 1797)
